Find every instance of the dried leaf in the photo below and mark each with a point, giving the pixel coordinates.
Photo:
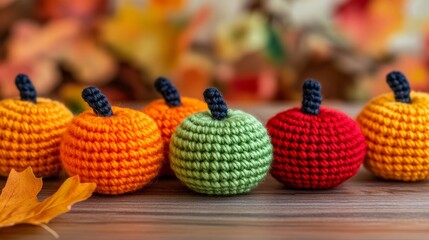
(19, 202)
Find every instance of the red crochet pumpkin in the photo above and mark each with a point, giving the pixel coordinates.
(315, 147)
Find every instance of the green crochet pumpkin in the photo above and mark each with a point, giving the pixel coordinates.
(220, 151)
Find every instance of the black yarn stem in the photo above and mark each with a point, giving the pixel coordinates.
(26, 89)
(400, 86)
(216, 103)
(97, 101)
(312, 97)
(168, 91)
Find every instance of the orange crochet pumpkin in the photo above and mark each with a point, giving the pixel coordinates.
(30, 131)
(169, 112)
(119, 149)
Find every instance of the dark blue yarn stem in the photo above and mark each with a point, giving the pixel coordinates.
(400, 86)
(97, 101)
(312, 97)
(216, 104)
(26, 88)
(168, 91)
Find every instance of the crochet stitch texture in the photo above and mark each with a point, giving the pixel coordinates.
(314, 147)
(395, 126)
(220, 157)
(30, 132)
(121, 152)
(168, 113)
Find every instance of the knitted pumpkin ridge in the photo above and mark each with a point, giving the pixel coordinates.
(169, 112)
(119, 149)
(30, 131)
(315, 147)
(221, 151)
(395, 126)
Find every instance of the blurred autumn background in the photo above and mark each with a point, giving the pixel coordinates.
(257, 51)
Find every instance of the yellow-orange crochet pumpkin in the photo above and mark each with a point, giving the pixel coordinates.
(30, 131)
(119, 149)
(169, 112)
(396, 128)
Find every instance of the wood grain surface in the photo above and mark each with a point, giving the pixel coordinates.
(362, 208)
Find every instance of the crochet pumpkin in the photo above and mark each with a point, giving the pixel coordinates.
(396, 129)
(169, 112)
(30, 131)
(314, 147)
(221, 151)
(119, 149)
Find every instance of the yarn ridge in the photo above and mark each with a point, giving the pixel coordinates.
(121, 153)
(224, 157)
(30, 135)
(30, 131)
(168, 117)
(315, 147)
(398, 146)
(315, 152)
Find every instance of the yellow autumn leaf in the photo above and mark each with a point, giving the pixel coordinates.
(19, 202)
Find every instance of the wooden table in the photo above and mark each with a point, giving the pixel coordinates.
(362, 208)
